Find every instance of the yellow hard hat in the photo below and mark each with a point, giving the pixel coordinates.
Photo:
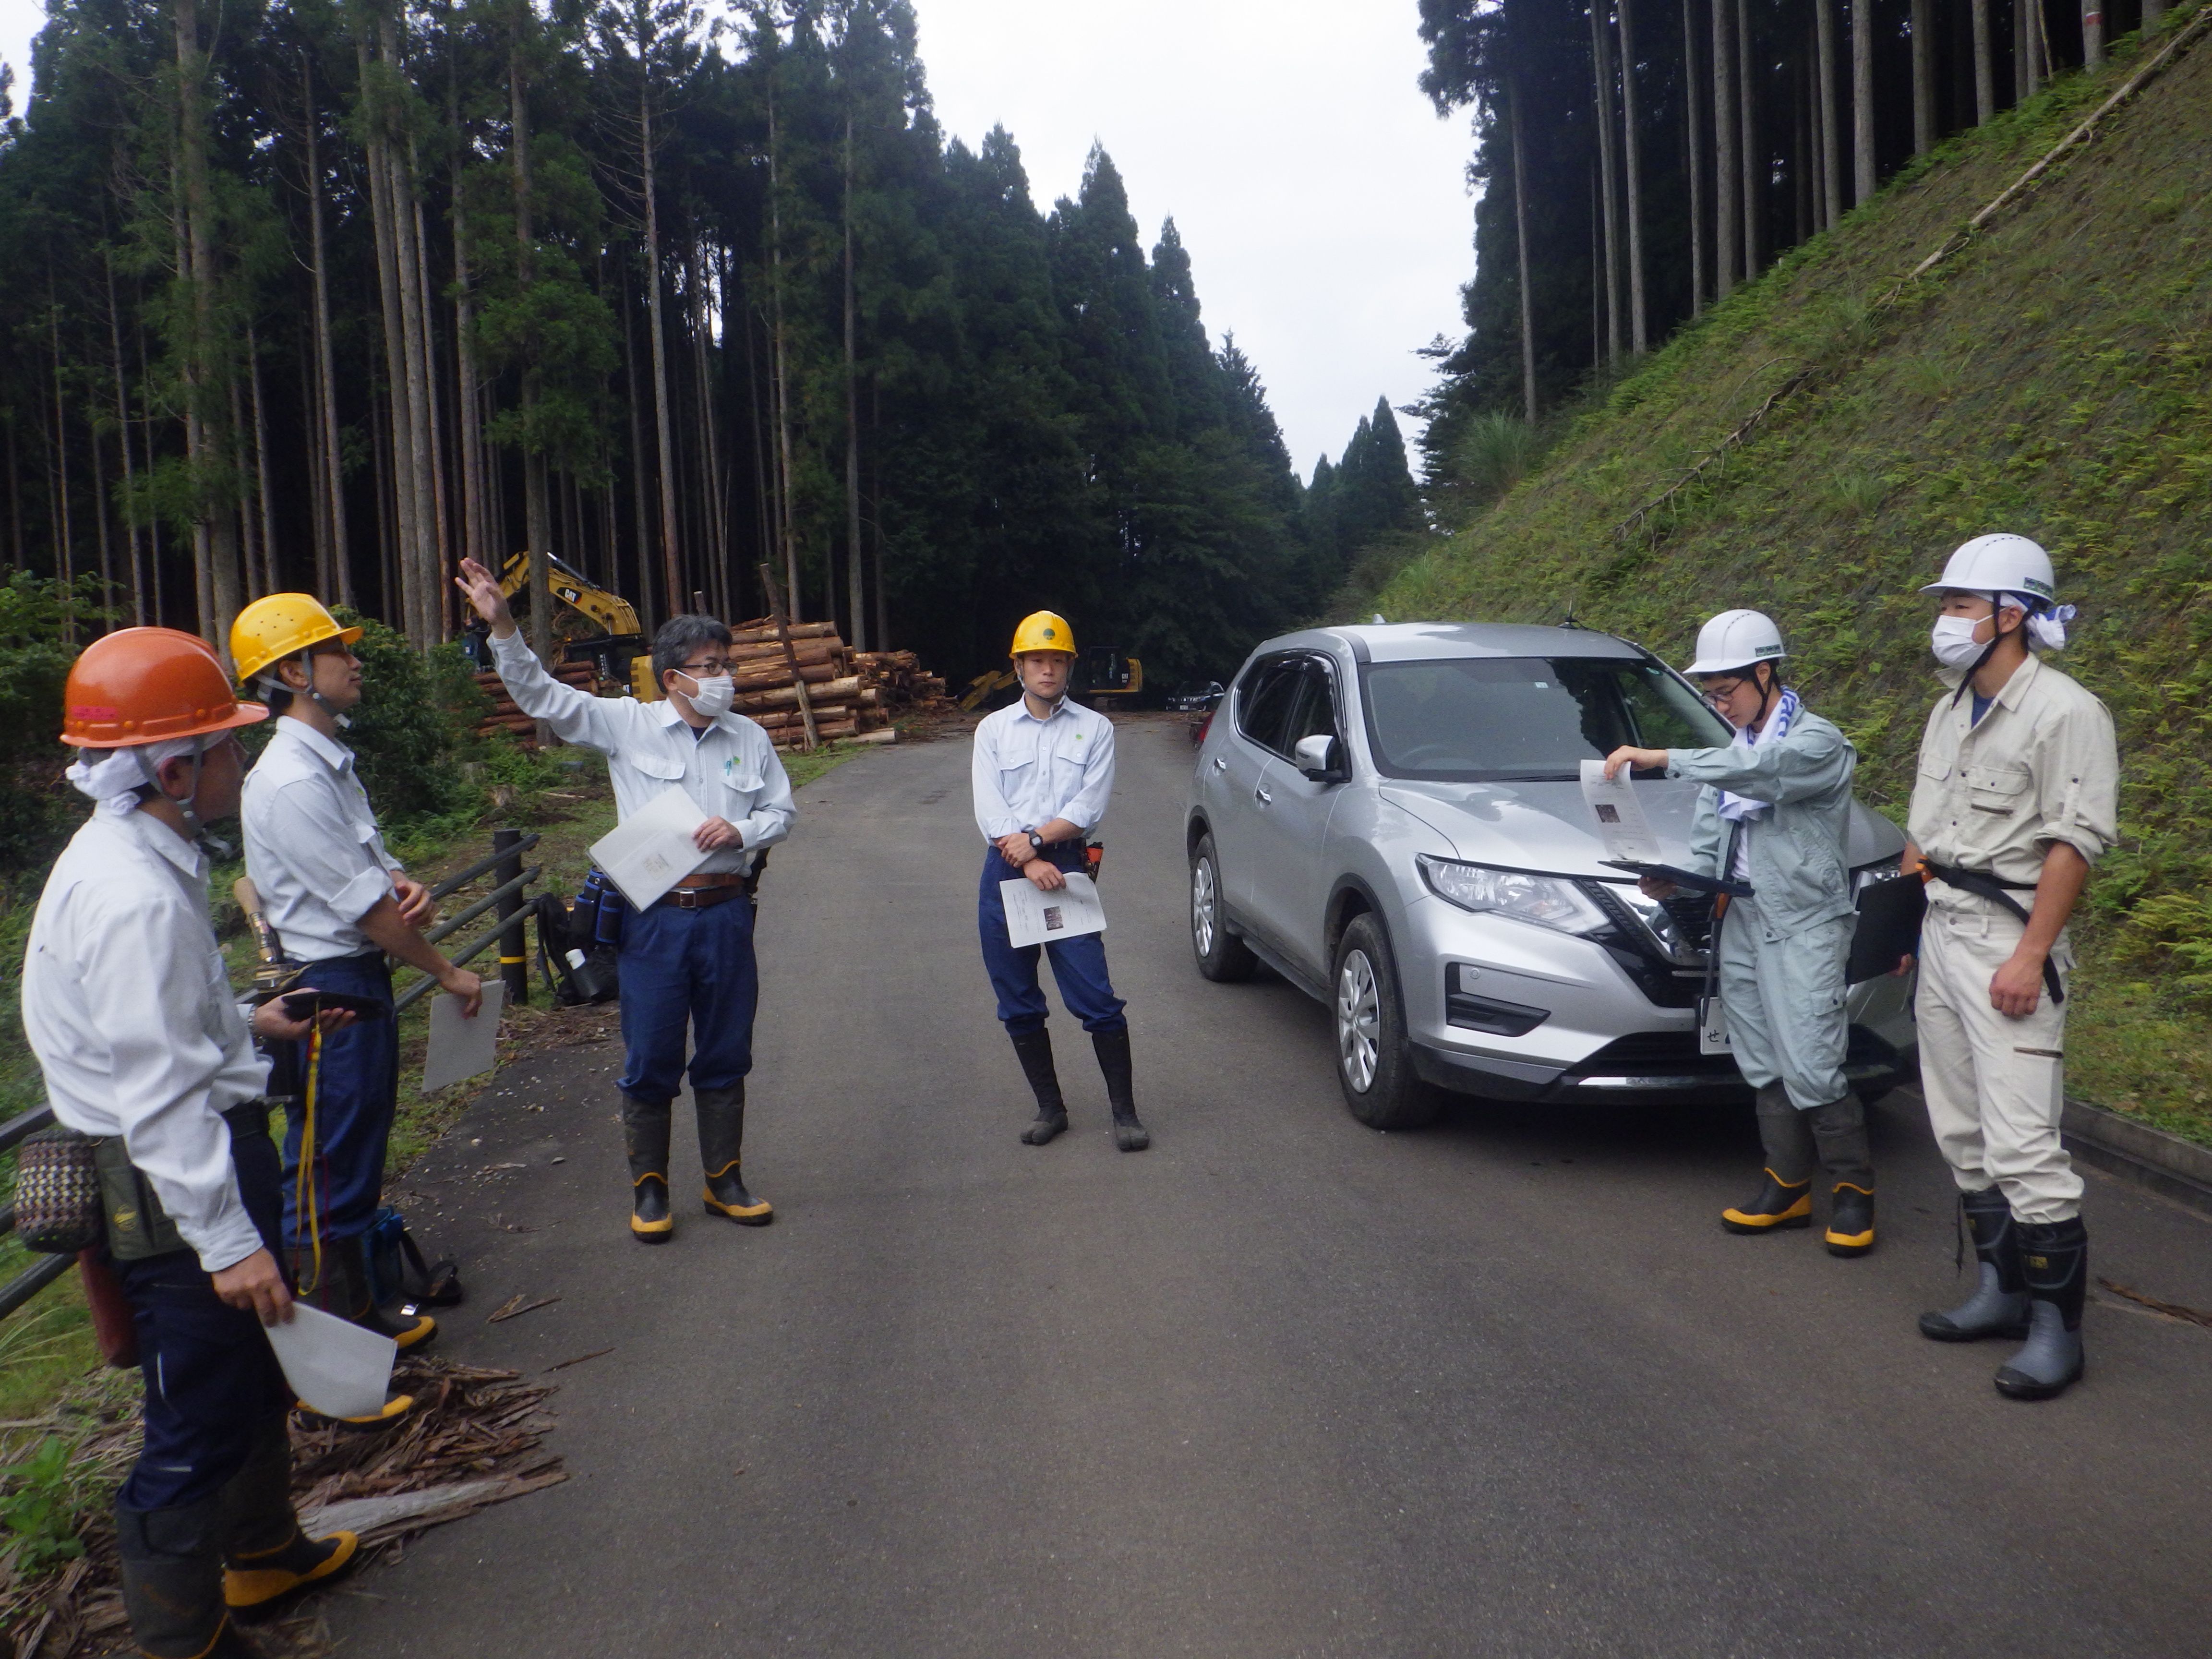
(1044, 631)
(282, 625)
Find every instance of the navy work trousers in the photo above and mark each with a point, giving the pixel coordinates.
(213, 1386)
(688, 966)
(1078, 965)
(355, 1096)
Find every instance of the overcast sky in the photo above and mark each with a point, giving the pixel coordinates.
(1323, 205)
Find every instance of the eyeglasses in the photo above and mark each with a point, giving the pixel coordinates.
(711, 670)
(1715, 695)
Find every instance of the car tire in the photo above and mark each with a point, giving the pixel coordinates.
(1374, 1061)
(1222, 956)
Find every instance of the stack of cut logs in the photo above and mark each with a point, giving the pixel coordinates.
(852, 696)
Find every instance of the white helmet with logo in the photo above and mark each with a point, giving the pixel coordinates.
(1999, 564)
(1735, 640)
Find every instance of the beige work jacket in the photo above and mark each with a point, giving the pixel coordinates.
(2041, 766)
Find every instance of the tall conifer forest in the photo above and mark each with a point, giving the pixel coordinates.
(1639, 159)
(329, 293)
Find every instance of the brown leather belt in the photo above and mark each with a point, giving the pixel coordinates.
(704, 892)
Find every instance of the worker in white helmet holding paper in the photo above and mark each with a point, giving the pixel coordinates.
(1771, 819)
(2017, 794)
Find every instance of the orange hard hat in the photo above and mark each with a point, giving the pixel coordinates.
(147, 684)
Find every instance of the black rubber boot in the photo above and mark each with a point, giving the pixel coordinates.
(171, 1562)
(1784, 1200)
(348, 1290)
(1839, 1135)
(1034, 1050)
(2054, 1262)
(1112, 1048)
(1778, 1207)
(266, 1555)
(1998, 1306)
(645, 1134)
(721, 1137)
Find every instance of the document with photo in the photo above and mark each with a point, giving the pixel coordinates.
(1618, 816)
(652, 850)
(1035, 917)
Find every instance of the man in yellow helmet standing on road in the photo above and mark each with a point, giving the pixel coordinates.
(1043, 774)
(338, 902)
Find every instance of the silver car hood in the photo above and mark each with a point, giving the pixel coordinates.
(1540, 826)
(1548, 827)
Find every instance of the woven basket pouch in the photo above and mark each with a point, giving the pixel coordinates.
(58, 1204)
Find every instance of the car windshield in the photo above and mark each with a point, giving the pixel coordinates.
(1526, 719)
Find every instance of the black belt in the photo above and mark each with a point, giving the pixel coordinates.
(1999, 891)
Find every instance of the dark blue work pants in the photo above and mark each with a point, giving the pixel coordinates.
(1078, 964)
(355, 1096)
(688, 966)
(213, 1386)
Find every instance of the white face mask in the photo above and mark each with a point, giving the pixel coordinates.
(713, 696)
(1953, 641)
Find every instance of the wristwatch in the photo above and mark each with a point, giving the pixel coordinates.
(1037, 842)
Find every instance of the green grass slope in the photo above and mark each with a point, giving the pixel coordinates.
(2052, 377)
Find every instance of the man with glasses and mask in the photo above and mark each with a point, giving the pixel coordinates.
(689, 958)
(1774, 814)
(2016, 796)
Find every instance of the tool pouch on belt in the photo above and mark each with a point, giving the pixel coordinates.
(57, 1207)
(137, 1226)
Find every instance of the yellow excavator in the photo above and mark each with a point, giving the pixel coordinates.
(1102, 672)
(595, 626)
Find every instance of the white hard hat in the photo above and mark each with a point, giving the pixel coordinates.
(1999, 564)
(1735, 640)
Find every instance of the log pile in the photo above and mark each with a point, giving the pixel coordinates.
(853, 694)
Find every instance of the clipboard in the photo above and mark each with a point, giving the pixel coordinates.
(1889, 927)
(1696, 883)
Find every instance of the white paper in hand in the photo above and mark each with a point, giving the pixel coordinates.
(332, 1364)
(462, 1048)
(652, 850)
(1621, 824)
(1034, 917)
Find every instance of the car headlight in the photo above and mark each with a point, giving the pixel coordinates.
(1547, 901)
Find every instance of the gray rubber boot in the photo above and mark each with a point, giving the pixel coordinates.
(722, 1140)
(171, 1562)
(2054, 1262)
(1998, 1306)
(1034, 1050)
(645, 1134)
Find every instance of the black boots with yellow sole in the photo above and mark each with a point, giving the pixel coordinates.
(645, 1137)
(1778, 1206)
(266, 1555)
(1851, 1220)
(721, 1137)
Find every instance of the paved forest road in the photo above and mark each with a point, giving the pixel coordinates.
(1280, 1386)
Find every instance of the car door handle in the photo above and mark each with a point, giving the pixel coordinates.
(1263, 797)
(1220, 763)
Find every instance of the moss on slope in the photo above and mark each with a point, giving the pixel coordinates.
(2053, 377)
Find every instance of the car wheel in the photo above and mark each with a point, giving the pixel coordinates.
(1374, 1061)
(1221, 955)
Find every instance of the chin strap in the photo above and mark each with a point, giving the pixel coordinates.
(184, 807)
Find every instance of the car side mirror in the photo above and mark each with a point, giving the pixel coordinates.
(1320, 757)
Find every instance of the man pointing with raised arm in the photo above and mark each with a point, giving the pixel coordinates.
(689, 958)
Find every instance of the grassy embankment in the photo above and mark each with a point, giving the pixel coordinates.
(2053, 377)
(46, 1349)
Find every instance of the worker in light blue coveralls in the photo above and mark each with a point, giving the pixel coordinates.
(688, 959)
(1774, 813)
(339, 902)
(1043, 774)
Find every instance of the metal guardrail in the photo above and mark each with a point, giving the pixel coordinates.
(505, 859)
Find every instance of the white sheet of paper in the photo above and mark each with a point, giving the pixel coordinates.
(1039, 918)
(462, 1048)
(1619, 815)
(332, 1364)
(649, 852)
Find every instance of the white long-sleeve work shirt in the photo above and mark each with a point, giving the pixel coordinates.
(134, 1024)
(1027, 772)
(312, 843)
(731, 770)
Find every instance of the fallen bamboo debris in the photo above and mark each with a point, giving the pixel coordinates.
(515, 1307)
(851, 695)
(595, 1354)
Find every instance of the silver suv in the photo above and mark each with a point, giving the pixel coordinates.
(1392, 819)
